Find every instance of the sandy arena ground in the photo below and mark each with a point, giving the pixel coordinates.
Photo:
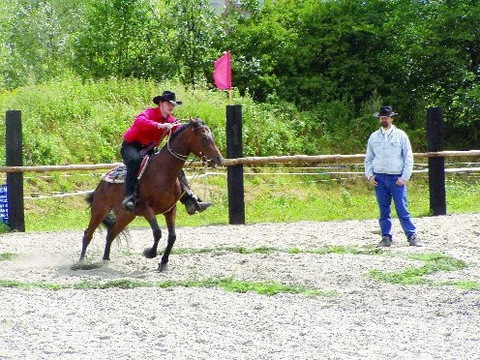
(363, 319)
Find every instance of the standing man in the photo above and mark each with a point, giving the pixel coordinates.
(388, 167)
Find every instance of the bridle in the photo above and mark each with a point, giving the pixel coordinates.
(174, 153)
(182, 157)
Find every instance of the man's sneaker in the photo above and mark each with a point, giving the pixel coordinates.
(413, 241)
(386, 241)
(128, 203)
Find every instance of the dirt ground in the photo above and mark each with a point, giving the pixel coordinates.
(362, 318)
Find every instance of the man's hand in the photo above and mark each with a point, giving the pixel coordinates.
(372, 180)
(400, 182)
(166, 126)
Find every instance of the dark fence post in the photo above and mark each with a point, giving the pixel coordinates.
(236, 199)
(14, 157)
(436, 165)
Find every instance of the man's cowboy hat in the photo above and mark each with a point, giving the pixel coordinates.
(167, 96)
(385, 111)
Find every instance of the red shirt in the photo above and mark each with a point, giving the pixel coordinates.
(144, 129)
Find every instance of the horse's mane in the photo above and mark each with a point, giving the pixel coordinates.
(197, 122)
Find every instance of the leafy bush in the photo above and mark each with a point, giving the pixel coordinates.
(68, 121)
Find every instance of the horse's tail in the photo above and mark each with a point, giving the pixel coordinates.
(89, 198)
(110, 219)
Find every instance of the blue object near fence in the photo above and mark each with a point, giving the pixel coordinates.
(4, 204)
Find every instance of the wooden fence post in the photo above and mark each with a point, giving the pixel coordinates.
(236, 198)
(436, 165)
(14, 157)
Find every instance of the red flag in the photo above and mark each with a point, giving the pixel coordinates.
(222, 73)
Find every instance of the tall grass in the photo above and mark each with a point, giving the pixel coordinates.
(268, 198)
(69, 121)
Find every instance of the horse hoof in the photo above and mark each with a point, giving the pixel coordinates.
(149, 254)
(162, 267)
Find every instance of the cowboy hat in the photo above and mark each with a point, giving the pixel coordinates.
(167, 96)
(385, 111)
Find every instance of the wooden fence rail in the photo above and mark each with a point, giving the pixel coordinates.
(253, 160)
(234, 163)
(301, 160)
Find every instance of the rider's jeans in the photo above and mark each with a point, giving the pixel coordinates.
(385, 191)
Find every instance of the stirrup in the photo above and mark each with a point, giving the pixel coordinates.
(128, 203)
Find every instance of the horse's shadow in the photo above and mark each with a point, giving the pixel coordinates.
(104, 270)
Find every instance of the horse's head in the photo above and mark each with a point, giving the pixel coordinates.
(197, 138)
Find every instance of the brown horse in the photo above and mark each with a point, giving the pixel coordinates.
(158, 190)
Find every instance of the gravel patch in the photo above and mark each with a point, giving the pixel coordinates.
(356, 318)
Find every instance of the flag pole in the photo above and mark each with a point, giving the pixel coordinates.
(222, 77)
(230, 91)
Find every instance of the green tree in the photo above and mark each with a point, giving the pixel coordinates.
(326, 64)
(319, 54)
(35, 40)
(438, 58)
(121, 38)
(263, 42)
(193, 29)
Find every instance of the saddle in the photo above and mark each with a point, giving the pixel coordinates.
(118, 173)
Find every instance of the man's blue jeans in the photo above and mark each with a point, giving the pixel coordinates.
(385, 191)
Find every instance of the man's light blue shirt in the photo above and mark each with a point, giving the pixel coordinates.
(390, 155)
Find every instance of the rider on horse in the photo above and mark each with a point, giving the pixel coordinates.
(148, 130)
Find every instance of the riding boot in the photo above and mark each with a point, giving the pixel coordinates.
(193, 203)
(128, 202)
(132, 159)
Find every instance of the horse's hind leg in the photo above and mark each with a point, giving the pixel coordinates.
(96, 217)
(172, 236)
(120, 224)
(87, 237)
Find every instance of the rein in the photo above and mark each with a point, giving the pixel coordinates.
(182, 157)
(175, 154)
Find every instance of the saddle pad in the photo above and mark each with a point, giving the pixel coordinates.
(116, 175)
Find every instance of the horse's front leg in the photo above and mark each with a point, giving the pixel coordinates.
(150, 253)
(172, 236)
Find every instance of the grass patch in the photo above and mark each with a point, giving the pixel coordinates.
(235, 249)
(368, 250)
(115, 284)
(337, 249)
(434, 262)
(268, 198)
(7, 256)
(464, 284)
(228, 284)
(4, 227)
(29, 286)
(268, 288)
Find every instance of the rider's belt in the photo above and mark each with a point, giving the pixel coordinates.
(136, 145)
